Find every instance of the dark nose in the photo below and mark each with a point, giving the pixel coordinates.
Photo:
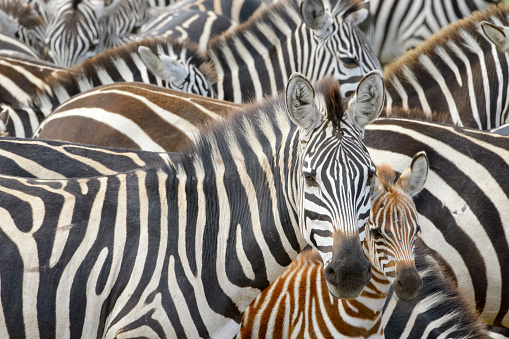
(408, 282)
(348, 271)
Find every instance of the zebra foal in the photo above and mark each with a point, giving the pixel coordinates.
(181, 250)
(298, 303)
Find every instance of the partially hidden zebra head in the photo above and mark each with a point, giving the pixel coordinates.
(393, 227)
(78, 29)
(182, 70)
(336, 173)
(340, 48)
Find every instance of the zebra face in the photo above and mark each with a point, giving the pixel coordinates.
(73, 34)
(336, 173)
(340, 48)
(393, 228)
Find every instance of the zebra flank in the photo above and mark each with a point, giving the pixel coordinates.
(397, 26)
(458, 71)
(298, 304)
(181, 249)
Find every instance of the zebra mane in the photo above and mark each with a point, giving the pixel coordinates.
(272, 15)
(497, 14)
(21, 12)
(265, 121)
(417, 114)
(106, 60)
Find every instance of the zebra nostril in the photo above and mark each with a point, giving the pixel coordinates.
(330, 274)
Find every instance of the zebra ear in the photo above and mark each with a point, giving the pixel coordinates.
(412, 180)
(368, 101)
(164, 67)
(313, 13)
(300, 103)
(4, 119)
(498, 35)
(358, 16)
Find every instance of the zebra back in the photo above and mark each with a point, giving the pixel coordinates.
(397, 26)
(458, 71)
(133, 115)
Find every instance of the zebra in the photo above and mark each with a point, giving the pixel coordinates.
(311, 37)
(191, 72)
(298, 304)
(461, 70)
(78, 29)
(463, 230)
(135, 279)
(397, 26)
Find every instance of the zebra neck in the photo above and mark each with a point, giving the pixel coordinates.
(248, 61)
(240, 188)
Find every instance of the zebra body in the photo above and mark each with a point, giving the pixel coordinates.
(117, 65)
(458, 71)
(397, 26)
(298, 303)
(13, 46)
(165, 252)
(187, 24)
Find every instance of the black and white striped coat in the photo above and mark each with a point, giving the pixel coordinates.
(169, 251)
(458, 71)
(397, 26)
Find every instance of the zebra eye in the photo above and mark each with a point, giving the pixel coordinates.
(371, 174)
(349, 62)
(375, 233)
(310, 179)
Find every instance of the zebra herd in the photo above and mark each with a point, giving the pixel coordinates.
(182, 155)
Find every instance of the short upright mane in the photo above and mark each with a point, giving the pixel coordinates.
(453, 32)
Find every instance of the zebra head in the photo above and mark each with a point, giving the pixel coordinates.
(79, 29)
(393, 227)
(183, 68)
(335, 175)
(340, 48)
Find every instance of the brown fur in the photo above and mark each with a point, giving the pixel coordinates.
(418, 114)
(22, 12)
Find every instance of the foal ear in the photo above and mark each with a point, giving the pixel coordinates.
(313, 13)
(163, 66)
(301, 104)
(498, 35)
(412, 180)
(369, 99)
